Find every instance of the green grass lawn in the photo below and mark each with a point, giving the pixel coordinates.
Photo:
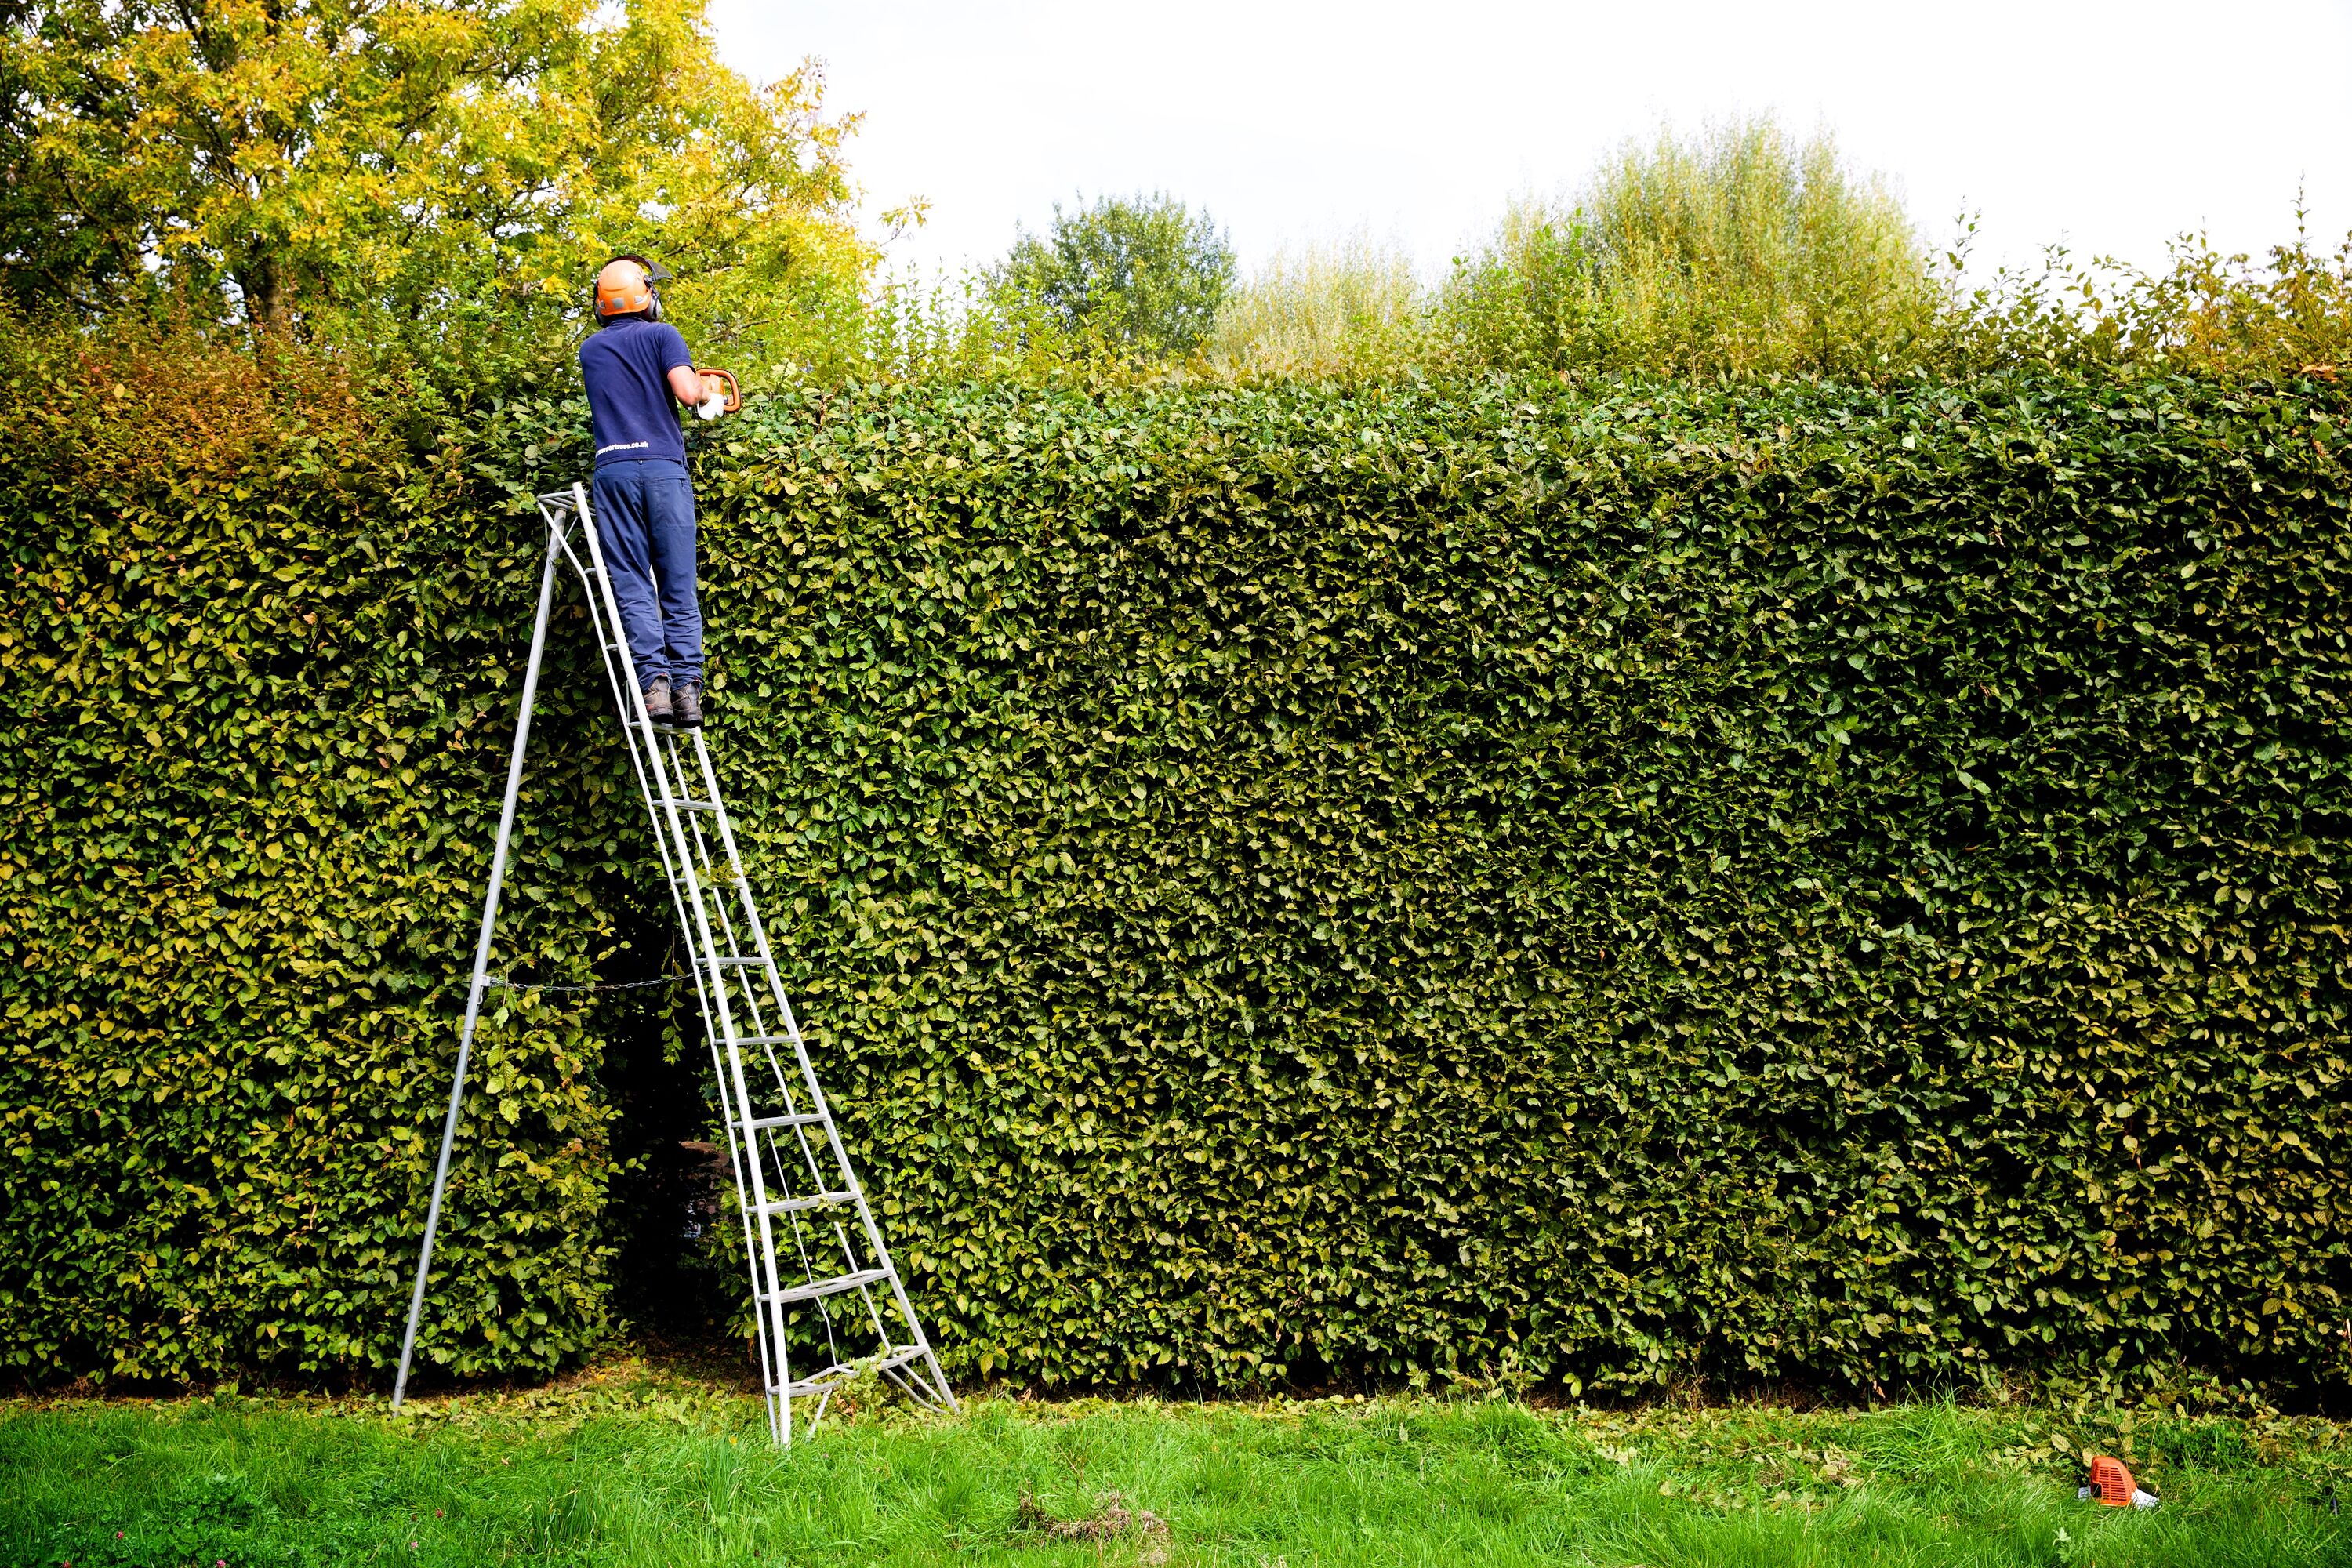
(637, 1465)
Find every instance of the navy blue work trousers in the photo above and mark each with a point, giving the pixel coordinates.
(644, 516)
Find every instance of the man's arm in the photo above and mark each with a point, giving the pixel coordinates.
(684, 386)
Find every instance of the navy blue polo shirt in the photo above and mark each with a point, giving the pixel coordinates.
(627, 364)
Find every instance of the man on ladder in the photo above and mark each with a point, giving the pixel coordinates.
(810, 1237)
(638, 374)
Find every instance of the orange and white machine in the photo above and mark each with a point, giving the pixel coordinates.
(2111, 1483)
(721, 385)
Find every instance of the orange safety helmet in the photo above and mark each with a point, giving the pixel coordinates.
(625, 287)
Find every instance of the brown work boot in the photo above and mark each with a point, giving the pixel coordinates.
(658, 706)
(686, 706)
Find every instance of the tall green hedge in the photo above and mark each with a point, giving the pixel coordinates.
(257, 654)
(1786, 882)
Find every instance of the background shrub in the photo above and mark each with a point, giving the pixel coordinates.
(1739, 251)
(1353, 307)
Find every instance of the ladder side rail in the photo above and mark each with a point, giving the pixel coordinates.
(791, 1031)
(762, 1257)
(851, 1262)
(481, 961)
(688, 890)
(735, 949)
(620, 674)
(865, 1294)
(881, 1251)
(763, 1161)
(912, 1385)
(766, 1141)
(916, 1338)
(723, 823)
(766, 1144)
(808, 1268)
(726, 829)
(759, 1019)
(760, 1029)
(743, 896)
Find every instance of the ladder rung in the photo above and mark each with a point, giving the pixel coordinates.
(687, 804)
(840, 1373)
(815, 1287)
(764, 1039)
(734, 963)
(804, 1118)
(796, 1205)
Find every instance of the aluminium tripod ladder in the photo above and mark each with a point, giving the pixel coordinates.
(808, 1231)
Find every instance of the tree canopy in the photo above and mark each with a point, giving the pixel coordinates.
(1141, 274)
(287, 163)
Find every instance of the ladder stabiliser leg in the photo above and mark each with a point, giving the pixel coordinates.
(481, 965)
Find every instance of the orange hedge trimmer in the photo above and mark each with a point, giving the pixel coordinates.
(719, 392)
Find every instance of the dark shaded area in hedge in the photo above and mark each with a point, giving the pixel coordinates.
(1795, 882)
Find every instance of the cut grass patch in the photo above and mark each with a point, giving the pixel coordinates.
(631, 1464)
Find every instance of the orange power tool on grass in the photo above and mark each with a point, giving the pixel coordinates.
(2112, 1484)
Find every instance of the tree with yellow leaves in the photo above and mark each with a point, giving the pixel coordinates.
(296, 163)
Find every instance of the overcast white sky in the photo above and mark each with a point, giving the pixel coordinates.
(2109, 127)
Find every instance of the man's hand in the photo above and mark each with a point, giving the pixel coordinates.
(686, 387)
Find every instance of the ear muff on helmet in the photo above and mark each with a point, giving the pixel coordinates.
(625, 287)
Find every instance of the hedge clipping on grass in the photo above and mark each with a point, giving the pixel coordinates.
(1461, 879)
